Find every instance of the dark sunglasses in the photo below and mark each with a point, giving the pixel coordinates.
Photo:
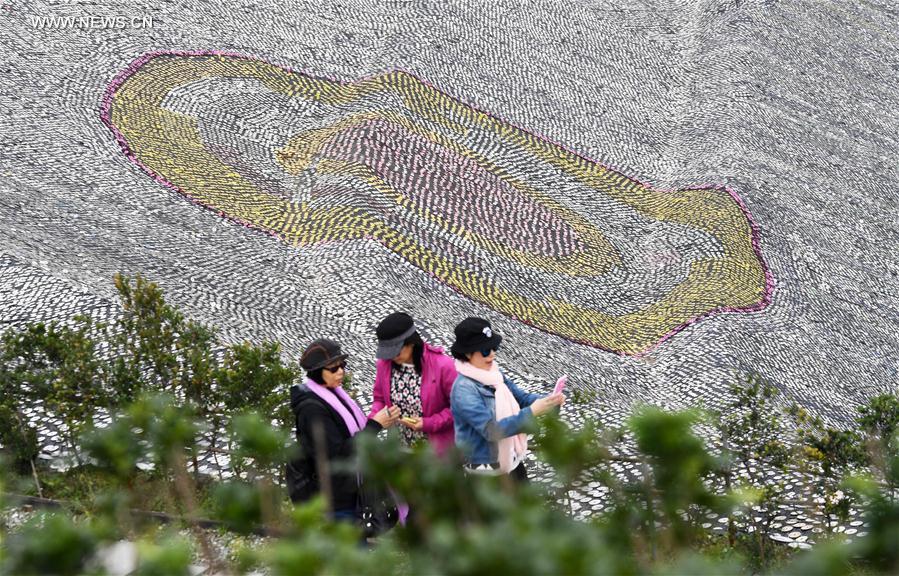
(341, 366)
(486, 351)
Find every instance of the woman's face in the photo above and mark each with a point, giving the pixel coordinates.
(478, 360)
(405, 355)
(333, 374)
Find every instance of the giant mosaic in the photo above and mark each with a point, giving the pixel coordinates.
(457, 192)
(651, 197)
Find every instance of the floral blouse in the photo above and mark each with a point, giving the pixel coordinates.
(405, 391)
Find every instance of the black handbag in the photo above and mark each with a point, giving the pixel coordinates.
(302, 482)
(375, 509)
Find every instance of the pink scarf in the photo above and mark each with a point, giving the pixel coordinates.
(354, 421)
(512, 449)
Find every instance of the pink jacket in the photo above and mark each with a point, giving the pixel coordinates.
(438, 372)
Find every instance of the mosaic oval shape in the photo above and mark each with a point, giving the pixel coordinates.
(523, 225)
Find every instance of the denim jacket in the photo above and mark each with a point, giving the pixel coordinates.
(474, 416)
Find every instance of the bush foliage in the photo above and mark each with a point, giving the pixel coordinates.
(171, 390)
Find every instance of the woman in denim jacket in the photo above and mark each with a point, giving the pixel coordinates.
(490, 410)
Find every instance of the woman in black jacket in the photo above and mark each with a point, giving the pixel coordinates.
(327, 420)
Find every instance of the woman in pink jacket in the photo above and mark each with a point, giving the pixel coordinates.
(417, 378)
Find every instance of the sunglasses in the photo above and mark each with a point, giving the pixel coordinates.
(336, 367)
(486, 351)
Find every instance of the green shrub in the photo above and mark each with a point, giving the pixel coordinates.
(49, 544)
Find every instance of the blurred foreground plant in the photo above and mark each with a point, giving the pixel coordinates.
(459, 524)
(164, 379)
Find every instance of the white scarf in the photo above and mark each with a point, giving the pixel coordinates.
(512, 449)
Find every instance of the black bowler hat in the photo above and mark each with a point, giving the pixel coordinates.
(392, 333)
(474, 334)
(321, 353)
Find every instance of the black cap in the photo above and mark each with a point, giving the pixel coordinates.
(321, 353)
(392, 333)
(474, 334)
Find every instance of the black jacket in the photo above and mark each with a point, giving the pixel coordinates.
(310, 411)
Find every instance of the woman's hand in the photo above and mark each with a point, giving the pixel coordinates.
(543, 405)
(412, 422)
(387, 416)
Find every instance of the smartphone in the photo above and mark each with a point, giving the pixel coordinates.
(560, 384)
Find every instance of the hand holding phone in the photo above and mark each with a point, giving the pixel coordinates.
(560, 384)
